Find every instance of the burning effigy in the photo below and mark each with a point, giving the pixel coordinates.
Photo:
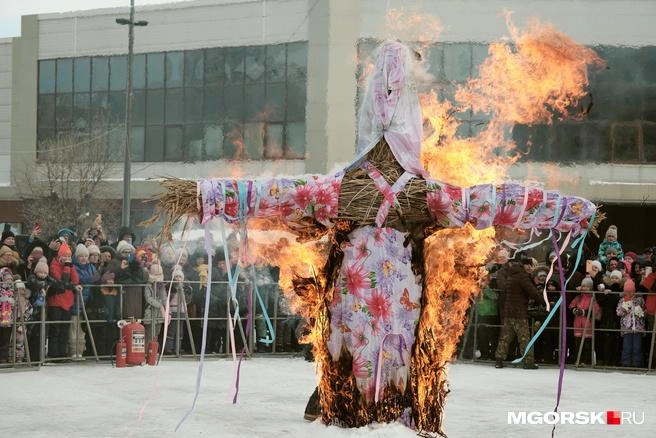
(388, 253)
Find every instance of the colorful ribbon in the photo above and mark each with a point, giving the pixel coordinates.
(199, 374)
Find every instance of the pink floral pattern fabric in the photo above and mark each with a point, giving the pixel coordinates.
(286, 198)
(375, 308)
(509, 204)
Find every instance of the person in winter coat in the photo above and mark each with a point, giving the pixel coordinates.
(7, 303)
(86, 273)
(584, 308)
(38, 283)
(631, 310)
(181, 295)
(218, 313)
(607, 340)
(155, 295)
(133, 278)
(61, 297)
(520, 289)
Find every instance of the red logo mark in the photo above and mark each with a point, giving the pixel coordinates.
(613, 417)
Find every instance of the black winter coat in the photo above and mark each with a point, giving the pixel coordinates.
(519, 289)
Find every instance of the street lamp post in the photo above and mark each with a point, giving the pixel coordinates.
(127, 176)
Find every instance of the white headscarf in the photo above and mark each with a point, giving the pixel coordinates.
(390, 109)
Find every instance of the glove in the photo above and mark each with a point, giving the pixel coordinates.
(626, 305)
(578, 312)
(637, 311)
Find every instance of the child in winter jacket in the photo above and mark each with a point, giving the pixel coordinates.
(7, 303)
(584, 308)
(631, 309)
(610, 242)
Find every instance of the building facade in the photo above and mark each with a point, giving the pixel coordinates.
(242, 87)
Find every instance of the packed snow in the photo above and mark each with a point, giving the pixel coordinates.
(96, 400)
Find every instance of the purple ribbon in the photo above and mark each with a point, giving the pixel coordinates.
(563, 325)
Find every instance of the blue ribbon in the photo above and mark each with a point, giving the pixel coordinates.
(578, 241)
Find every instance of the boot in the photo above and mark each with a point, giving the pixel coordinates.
(498, 364)
(313, 409)
(531, 366)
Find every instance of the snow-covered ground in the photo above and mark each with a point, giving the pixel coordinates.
(96, 400)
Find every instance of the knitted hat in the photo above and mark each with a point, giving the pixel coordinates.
(93, 249)
(616, 274)
(109, 249)
(123, 245)
(629, 285)
(6, 234)
(587, 281)
(5, 271)
(611, 250)
(37, 249)
(611, 231)
(66, 232)
(177, 272)
(41, 266)
(64, 251)
(81, 250)
(597, 264)
(631, 254)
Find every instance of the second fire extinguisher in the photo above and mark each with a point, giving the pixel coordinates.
(121, 353)
(151, 358)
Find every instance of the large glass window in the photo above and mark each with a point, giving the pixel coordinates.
(82, 73)
(100, 73)
(201, 104)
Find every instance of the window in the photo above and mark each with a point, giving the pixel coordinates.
(201, 104)
(118, 76)
(155, 70)
(47, 76)
(64, 75)
(100, 73)
(82, 74)
(174, 69)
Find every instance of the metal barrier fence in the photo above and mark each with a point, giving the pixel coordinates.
(93, 332)
(600, 338)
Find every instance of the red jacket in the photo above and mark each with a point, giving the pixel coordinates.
(65, 299)
(651, 296)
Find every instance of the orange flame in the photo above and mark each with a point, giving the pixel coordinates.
(542, 74)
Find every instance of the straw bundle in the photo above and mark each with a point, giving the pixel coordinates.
(359, 199)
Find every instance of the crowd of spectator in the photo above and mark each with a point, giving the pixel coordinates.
(82, 285)
(610, 306)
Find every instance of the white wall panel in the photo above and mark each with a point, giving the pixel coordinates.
(617, 22)
(5, 110)
(178, 26)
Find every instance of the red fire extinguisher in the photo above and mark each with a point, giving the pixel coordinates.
(133, 337)
(153, 346)
(121, 353)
